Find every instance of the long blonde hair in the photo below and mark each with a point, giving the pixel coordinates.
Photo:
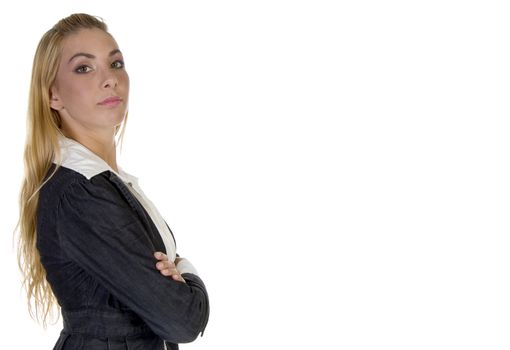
(41, 149)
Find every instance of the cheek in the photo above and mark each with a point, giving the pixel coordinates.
(124, 80)
(79, 92)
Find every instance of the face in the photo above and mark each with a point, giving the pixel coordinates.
(91, 70)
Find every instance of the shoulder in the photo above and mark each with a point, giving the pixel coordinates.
(58, 181)
(66, 183)
(65, 186)
(55, 183)
(70, 202)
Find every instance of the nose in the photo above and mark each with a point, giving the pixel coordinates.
(110, 80)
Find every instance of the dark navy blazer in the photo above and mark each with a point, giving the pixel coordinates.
(96, 242)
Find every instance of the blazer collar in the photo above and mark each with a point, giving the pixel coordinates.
(79, 158)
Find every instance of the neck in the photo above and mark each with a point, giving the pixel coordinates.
(101, 144)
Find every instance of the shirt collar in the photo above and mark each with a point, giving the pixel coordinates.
(79, 158)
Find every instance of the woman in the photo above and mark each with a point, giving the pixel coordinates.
(89, 237)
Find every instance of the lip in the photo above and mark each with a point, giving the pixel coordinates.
(111, 101)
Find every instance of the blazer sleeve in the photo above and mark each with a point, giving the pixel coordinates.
(100, 232)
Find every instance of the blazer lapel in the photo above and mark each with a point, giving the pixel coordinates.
(153, 234)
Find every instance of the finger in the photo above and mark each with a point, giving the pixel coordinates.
(169, 272)
(160, 256)
(162, 265)
(178, 278)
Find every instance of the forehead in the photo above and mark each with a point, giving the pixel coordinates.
(93, 41)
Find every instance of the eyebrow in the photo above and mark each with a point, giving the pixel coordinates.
(113, 52)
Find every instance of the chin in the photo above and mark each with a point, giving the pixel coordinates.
(115, 119)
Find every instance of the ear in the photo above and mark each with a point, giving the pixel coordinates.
(55, 101)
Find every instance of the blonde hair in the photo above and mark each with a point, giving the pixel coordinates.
(41, 149)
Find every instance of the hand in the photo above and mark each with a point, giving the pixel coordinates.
(168, 268)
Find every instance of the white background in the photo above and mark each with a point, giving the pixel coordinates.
(337, 172)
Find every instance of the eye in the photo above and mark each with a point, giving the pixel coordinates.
(81, 69)
(119, 65)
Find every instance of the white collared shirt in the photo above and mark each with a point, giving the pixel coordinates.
(79, 158)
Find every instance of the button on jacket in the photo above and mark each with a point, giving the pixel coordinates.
(96, 234)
